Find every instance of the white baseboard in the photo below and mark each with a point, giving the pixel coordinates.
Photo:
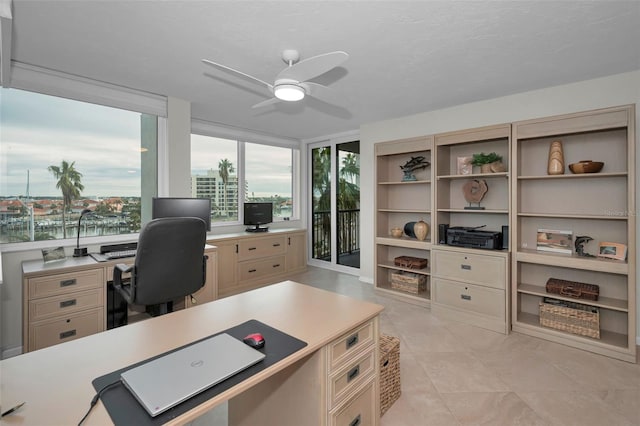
(8, 353)
(367, 280)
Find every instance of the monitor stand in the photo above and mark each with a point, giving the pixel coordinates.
(257, 229)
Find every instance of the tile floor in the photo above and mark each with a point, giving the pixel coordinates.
(456, 374)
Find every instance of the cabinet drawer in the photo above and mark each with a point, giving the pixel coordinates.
(253, 248)
(70, 327)
(64, 304)
(261, 268)
(472, 268)
(349, 344)
(360, 411)
(52, 285)
(349, 378)
(482, 300)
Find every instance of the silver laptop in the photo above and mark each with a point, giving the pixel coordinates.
(173, 378)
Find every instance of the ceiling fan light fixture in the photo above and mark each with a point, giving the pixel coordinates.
(288, 92)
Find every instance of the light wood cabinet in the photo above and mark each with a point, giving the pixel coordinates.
(599, 205)
(249, 261)
(397, 203)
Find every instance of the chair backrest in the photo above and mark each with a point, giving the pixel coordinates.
(169, 260)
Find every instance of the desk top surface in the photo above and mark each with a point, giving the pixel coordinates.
(55, 382)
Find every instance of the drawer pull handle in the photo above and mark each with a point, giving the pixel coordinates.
(66, 334)
(252, 270)
(356, 421)
(467, 267)
(67, 283)
(68, 303)
(277, 265)
(352, 341)
(251, 248)
(276, 244)
(353, 373)
(465, 297)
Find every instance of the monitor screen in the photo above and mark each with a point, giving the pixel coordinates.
(182, 207)
(256, 214)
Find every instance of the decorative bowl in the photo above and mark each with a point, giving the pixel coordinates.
(586, 166)
(396, 232)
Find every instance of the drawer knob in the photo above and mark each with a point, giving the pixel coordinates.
(276, 245)
(67, 283)
(356, 421)
(66, 334)
(251, 248)
(352, 341)
(67, 303)
(252, 270)
(353, 373)
(277, 265)
(466, 267)
(465, 297)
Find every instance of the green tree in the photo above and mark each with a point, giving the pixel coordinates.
(225, 168)
(69, 182)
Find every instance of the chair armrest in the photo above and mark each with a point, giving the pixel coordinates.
(118, 270)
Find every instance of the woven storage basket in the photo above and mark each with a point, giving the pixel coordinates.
(408, 282)
(574, 289)
(389, 371)
(411, 262)
(570, 317)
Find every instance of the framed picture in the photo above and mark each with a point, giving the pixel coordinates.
(612, 251)
(53, 254)
(555, 241)
(464, 165)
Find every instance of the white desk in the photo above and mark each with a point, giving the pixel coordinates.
(308, 387)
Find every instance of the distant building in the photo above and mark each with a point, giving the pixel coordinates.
(211, 186)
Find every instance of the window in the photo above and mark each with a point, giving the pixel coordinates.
(60, 156)
(231, 172)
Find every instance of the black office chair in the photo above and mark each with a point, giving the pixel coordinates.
(170, 264)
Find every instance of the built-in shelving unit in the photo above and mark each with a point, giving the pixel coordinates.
(397, 203)
(597, 205)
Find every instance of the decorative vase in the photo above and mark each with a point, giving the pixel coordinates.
(421, 230)
(408, 229)
(485, 168)
(497, 167)
(396, 232)
(555, 165)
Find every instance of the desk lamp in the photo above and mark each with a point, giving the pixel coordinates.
(79, 252)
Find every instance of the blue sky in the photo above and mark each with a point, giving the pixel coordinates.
(37, 131)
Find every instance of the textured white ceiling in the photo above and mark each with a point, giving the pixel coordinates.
(405, 57)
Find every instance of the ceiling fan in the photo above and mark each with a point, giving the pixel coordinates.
(292, 84)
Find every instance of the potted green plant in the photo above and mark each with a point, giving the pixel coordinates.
(488, 163)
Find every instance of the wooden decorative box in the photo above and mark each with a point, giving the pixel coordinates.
(570, 317)
(408, 282)
(574, 289)
(411, 262)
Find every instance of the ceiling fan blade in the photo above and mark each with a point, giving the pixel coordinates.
(313, 67)
(250, 77)
(270, 101)
(323, 93)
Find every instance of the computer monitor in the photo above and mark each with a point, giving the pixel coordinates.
(182, 207)
(256, 214)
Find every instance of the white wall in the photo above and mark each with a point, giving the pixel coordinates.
(621, 89)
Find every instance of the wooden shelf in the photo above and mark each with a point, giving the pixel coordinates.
(602, 302)
(575, 176)
(573, 261)
(475, 176)
(572, 216)
(473, 211)
(607, 338)
(418, 211)
(404, 242)
(411, 182)
(424, 296)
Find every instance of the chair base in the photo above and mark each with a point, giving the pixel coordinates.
(160, 309)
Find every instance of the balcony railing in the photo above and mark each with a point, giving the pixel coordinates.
(348, 233)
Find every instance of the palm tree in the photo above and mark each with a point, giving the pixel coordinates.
(225, 167)
(69, 183)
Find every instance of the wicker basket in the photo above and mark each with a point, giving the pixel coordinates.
(408, 282)
(574, 289)
(570, 317)
(389, 371)
(411, 262)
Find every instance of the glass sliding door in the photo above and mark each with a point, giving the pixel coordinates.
(335, 203)
(348, 201)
